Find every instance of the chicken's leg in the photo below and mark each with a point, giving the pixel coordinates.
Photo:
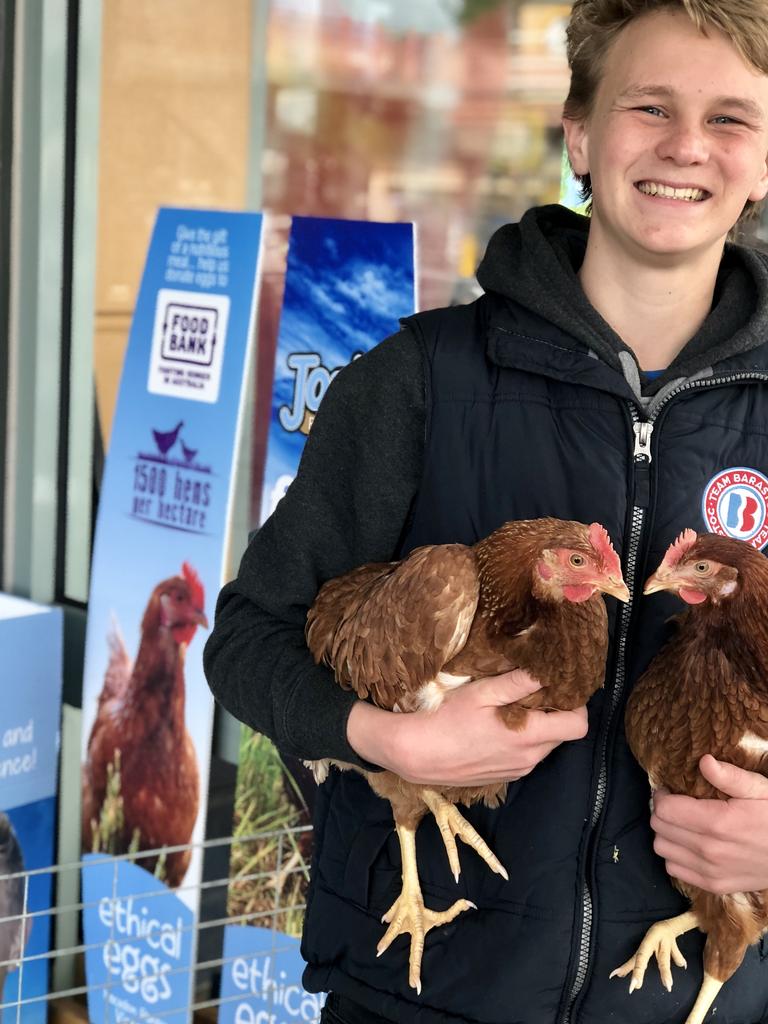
(408, 913)
(451, 824)
(660, 940)
(709, 988)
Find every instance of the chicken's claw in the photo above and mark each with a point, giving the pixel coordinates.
(408, 914)
(452, 823)
(660, 941)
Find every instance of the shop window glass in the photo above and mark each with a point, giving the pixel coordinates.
(441, 112)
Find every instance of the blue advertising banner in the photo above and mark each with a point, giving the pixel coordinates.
(261, 983)
(347, 284)
(139, 965)
(158, 560)
(31, 639)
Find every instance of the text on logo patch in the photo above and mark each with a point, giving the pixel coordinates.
(735, 505)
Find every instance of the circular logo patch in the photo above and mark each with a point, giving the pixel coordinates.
(736, 505)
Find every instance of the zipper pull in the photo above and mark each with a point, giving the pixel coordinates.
(642, 454)
(643, 433)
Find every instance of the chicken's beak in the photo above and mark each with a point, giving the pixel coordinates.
(660, 581)
(199, 618)
(616, 587)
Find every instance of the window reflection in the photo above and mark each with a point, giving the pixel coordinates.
(449, 117)
(443, 112)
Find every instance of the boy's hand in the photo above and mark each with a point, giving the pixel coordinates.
(718, 845)
(464, 742)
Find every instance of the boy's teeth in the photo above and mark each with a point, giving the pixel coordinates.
(691, 195)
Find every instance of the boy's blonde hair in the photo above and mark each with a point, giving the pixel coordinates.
(595, 24)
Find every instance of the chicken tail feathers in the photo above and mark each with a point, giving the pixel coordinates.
(336, 605)
(119, 667)
(386, 629)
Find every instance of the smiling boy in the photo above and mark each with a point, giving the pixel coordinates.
(615, 370)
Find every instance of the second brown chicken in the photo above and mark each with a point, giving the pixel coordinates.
(705, 693)
(404, 634)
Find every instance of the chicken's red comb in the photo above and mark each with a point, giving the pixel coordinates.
(601, 542)
(196, 589)
(675, 552)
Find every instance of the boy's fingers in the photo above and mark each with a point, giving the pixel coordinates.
(560, 726)
(508, 687)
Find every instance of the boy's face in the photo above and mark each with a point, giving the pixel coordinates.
(677, 109)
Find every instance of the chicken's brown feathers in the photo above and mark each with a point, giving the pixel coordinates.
(507, 559)
(386, 629)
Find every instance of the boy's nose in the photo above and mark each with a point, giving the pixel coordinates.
(684, 145)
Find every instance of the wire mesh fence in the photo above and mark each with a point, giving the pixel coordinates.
(255, 882)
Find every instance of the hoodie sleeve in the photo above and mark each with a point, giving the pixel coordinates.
(349, 504)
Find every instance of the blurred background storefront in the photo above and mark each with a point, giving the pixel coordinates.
(443, 112)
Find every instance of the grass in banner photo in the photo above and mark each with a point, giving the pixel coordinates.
(269, 875)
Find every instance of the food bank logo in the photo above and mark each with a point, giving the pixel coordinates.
(188, 341)
(736, 505)
(189, 333)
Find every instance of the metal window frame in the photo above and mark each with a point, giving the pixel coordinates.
(7, 21)
(34, 321)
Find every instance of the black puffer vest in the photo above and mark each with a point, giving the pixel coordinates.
(522, 425)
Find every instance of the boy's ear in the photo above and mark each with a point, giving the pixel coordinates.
(760, 189)
(576, 144)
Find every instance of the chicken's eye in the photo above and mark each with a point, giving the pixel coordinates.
(577, 561)
(702, 568)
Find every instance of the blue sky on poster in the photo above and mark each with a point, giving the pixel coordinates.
(348, 282)
(347, 285)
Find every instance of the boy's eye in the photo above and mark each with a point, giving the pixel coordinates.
(725, 119)
(656, 111)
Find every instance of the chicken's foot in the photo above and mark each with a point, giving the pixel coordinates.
(451, 824)
(660, 941)
(408, 913)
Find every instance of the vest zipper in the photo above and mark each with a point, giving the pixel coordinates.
(643, 431)
(642, 458)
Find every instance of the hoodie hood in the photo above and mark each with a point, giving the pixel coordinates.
(535, 265)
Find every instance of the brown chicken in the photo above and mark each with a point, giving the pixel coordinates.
(706, 692)
(139, 729)
(404, 634)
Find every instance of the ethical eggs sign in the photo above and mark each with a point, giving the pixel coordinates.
(140, 945)
(260, 981)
